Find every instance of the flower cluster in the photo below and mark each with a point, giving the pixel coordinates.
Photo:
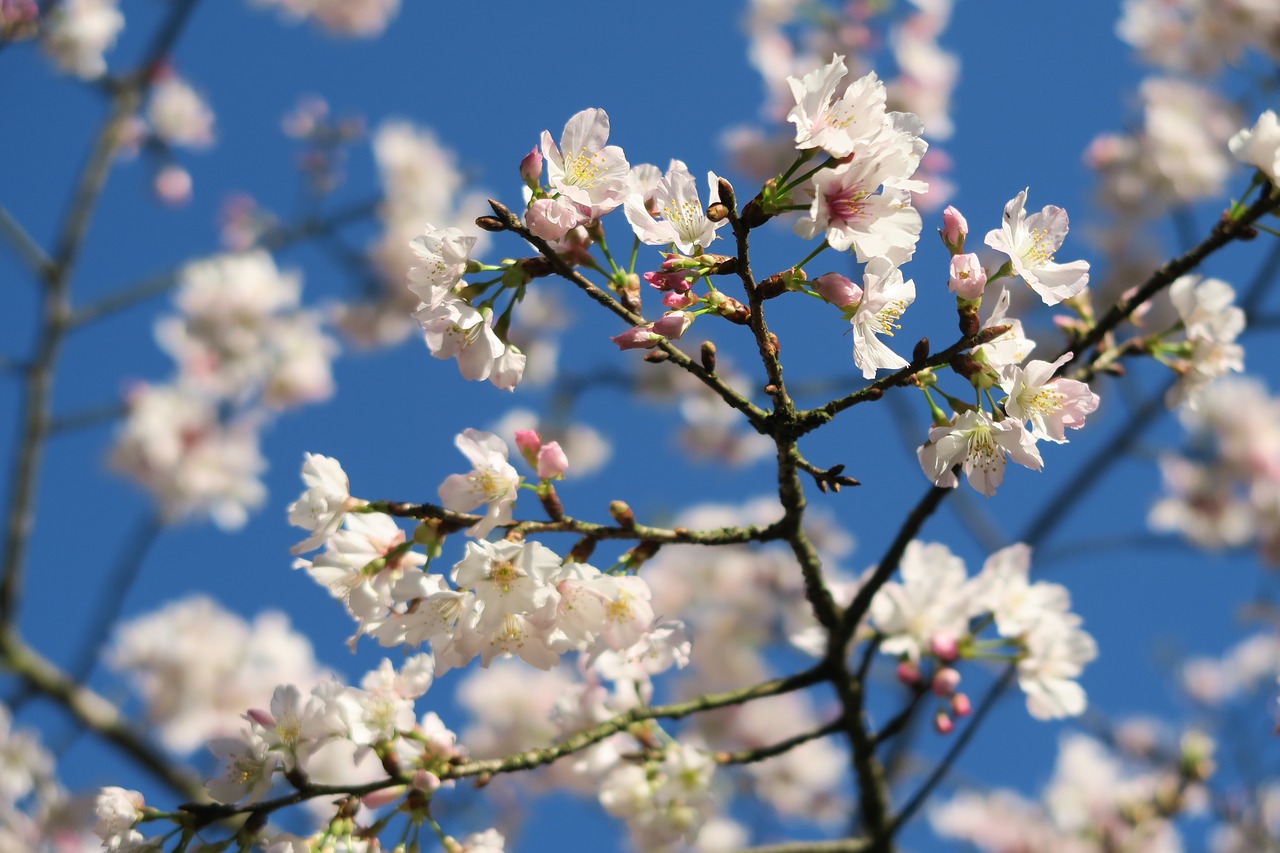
(244, 349)
(928, 615)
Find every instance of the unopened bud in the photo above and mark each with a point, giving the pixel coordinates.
(656, 356)
(908, 673)
(945, 681)
(709, 356)
(531, 168)
(954, 230)
(490, 223)
(960, 705)
(727, 195)
(944, 646)
(528, 442)
(921, 352)
(943, 724)
(969, 324)
(551, 462)
(774, 347)
(717, 212)
(622, 514)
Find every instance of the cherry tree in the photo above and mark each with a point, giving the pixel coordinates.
(561, 601)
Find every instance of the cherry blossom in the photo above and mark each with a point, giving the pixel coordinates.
(1260, 146)
(582, 168)
(884, 297)
(1052, 405)
(979, 445)
(323, 505)
(683, 218)
(1030, 242)
(834, 122)
(492, 481)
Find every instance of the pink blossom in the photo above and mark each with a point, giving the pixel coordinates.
(954, 229)
(968, 278)
(837, 289)
(552, 461)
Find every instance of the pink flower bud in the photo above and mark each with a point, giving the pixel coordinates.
(945, 681)
(552, 462)
(944, 647)
(960, 705)
(673, 324)
(531, 168)
(678, 280)
(679, 301)
(968, 278)
(426, 781)
(837, 290)
(529, 443)
(383, 797)
(173, 185)
(908, 673)
(943, 724)
(954, 230)
(261, 717)
(637, 337)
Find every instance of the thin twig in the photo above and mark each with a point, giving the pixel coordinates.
(24, 244)
(95, 713)
(275, 238)
(944, 766)
(761, 753)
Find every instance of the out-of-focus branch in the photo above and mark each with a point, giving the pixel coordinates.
(35, 417)
(29, 251)
(944, 766)
(95, 713)
(762, 753)
(275, 238)
(841, 845)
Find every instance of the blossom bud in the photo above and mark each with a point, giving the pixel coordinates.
(944, 646)
(921, 351)
(954, 230)
(943, 724)
(383, 797)
(531, 168)
(622, 514)
(679, 301)
(728, 308)
(552, 461)
(717, 212)
(529, 443)
(637, 337)
(945, 681)
(261, 717)
(426, 781)
(490, 223)
(908, 673)
(673, 324)
(960, 705)
(656, 356)
(173, 185)
(709, 356)
(838, 290)
(968, 278)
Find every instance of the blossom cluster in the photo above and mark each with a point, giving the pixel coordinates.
(928, 615)
(244, 349)
(1095, 800)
